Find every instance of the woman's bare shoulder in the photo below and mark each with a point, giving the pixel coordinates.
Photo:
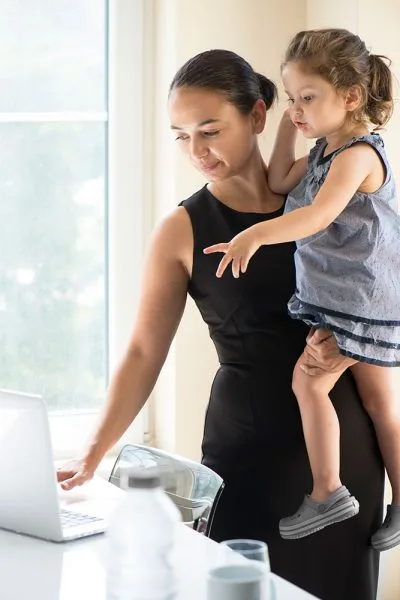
(173, 237)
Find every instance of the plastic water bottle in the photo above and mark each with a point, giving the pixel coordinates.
(141, 539)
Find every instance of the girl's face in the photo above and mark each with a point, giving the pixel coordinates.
(216, 137)
(317, 108)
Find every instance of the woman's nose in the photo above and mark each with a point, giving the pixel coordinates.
(198, 149)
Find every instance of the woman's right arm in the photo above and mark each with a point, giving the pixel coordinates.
(163, 297)
(284, 171)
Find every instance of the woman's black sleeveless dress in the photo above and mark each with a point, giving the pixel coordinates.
(253, 436)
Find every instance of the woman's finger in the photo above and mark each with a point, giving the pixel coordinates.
(310, 334)
(312, 371)
(318, 336)
(313, 352)
(315, 362)
(78, 479)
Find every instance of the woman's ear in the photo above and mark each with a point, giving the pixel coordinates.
(258, 115)
(353, 98)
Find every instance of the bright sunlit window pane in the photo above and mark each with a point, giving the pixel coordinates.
(53, 201)
(52, 55)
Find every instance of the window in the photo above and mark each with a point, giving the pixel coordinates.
(57, 249)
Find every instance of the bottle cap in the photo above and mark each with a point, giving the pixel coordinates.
(145, 479)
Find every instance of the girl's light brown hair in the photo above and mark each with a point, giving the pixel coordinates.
(342, 59)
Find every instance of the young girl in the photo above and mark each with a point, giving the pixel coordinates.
(341, 211)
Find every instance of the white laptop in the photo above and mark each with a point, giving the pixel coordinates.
(31, 501)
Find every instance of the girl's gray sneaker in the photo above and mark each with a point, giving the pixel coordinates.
(388, 535)
(313, 516)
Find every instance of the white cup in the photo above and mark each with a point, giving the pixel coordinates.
(245, 581)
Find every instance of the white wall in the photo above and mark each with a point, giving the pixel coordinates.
(260, 31)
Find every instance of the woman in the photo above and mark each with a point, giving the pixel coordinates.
(253, 435)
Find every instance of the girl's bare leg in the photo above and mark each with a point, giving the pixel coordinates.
(378, 388)
(321, 429)
(379, 391)
(330, 501)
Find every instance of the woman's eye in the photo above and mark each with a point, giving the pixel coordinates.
(211, 133)
(182, 138)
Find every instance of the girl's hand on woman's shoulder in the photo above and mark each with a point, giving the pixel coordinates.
(321, 354)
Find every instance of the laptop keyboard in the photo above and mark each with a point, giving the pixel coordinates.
(70, 518)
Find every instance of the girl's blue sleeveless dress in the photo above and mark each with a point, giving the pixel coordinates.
(348, 276)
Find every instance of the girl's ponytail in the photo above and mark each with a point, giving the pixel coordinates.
(379, 107)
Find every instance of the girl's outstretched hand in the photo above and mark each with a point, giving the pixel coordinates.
(238, 252)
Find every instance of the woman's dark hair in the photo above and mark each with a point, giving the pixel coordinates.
(228, 73)
(342, 59)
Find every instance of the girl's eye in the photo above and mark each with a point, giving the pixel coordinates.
(211, 133)
(308, 98)
(290, 101)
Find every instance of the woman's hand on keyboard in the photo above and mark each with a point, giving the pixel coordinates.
(73, 473)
